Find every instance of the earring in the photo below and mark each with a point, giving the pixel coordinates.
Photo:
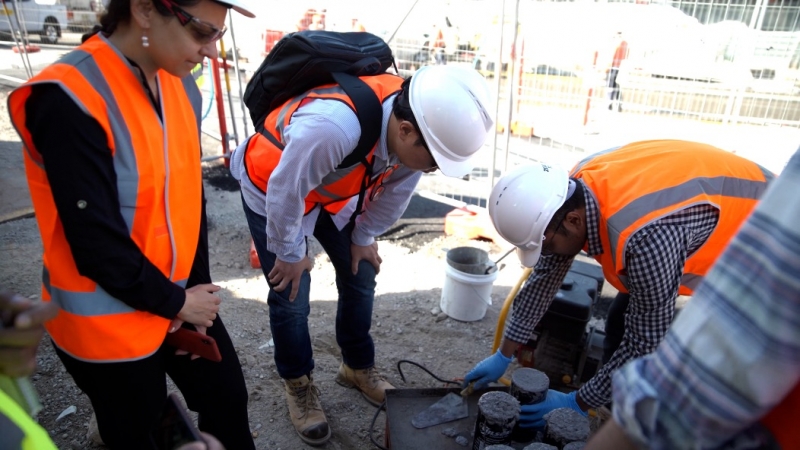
(145, 41)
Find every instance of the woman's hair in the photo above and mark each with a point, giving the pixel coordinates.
(119, 11)
(575, 201)
(402, 109)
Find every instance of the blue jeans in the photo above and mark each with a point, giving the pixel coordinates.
(288, 321)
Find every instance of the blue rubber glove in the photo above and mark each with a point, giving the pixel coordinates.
(533, 415)
(488, 370)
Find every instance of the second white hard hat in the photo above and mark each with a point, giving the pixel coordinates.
(451, 106)
(523, 203)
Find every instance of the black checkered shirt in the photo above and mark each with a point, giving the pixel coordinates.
(654, 260)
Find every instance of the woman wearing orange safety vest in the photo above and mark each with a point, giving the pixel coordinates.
(654, 214)
(297, 181)
(112, 156)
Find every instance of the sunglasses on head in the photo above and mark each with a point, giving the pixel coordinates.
(202, 31)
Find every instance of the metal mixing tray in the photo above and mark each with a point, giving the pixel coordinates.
(403, 404)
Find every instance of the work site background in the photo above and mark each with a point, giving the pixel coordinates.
(721, 72)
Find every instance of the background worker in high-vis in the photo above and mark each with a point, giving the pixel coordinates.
(654, 214)
(21, 329)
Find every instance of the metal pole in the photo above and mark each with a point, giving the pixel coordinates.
(512, 79)
(590, 92)
(735, 100)
(228, 89)
(18, 44)
(223, 127)
(23, 34)
(498, 71)
(389, 41)
(238, 76)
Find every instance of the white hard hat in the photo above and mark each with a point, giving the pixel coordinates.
(451, 106)
(238, 6)
(522, 204)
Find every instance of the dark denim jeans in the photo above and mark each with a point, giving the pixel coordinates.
(289, 320)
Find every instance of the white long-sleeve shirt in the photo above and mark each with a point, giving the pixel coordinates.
(319, 136)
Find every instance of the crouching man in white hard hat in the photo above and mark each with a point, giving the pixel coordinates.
(654, 214)
(295, 185)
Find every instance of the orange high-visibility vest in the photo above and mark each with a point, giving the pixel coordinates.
(640, 183)
(262, 154)
(159, 181)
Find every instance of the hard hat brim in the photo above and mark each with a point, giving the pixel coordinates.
(529, 258)
(238, 6)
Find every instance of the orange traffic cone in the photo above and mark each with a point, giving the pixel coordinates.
(30, 48)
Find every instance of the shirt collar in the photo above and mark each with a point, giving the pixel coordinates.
(382, 151)
(594, 244)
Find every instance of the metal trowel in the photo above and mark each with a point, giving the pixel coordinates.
(449, 408)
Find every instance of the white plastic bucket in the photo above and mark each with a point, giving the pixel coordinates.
(466, 296)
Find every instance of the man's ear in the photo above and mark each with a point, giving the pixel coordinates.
(142, 12)
(406, 129)
(574, 218)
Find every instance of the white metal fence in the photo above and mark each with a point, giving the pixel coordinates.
(721, 73)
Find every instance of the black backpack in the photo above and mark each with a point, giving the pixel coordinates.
(303, 60)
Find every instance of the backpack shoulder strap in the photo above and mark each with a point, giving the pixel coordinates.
(370, 116)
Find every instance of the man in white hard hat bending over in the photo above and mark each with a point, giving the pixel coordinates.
(438, 119)
(654, 214)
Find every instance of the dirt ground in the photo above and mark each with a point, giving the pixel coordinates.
(407, 322)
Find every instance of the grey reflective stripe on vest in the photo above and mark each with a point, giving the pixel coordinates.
(768, 175)
(195, 98)
(290, 105)
(691, 280)
(337, 174)
(583, 162)
(124, 155)
(333, 177)
(646, 204)
(95, 303)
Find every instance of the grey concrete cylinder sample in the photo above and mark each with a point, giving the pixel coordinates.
(565, 425)
(529, 386)
(498, 412)
(539, 446)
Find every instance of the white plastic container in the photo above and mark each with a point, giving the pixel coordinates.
(466, 296)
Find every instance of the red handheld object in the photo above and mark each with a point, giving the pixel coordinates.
(195, 343)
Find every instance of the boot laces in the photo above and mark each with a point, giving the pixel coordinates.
(374, 376)
(307, 397)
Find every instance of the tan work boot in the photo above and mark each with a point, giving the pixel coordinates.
(305, 410)
(371, 384)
